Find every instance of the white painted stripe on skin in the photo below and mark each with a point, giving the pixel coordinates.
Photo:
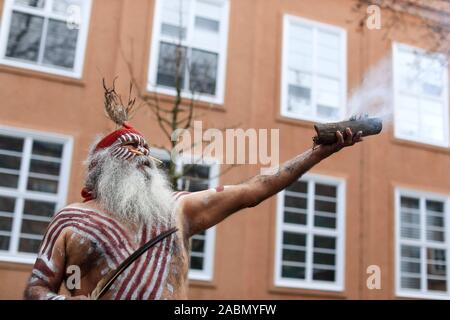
(165, 270)
(142, 264)
(109, 261)
(104, 220)
(95, 232)
(40, 275)
(158, 267)
(147, 272)
(76, 230)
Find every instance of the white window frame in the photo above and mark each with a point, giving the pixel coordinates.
(395, 49)
(287, 20)
(20, 193)
(309, 229)
(423, 293)
(18, 63)
(210, 235)
(218, 98)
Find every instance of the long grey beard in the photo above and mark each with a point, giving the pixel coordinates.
(132, 194)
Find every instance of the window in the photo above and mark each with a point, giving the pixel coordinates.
(34, 170)
(313, 85)
(421, 96)
(197, 176)
(189, 48)
(310, 234)
(45, 35)
(421, 245)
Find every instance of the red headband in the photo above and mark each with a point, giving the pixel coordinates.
(113, 136)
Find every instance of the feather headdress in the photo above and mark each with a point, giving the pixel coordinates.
(115, 109)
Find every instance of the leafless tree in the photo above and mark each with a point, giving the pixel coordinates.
(190, 74)
(418, 19)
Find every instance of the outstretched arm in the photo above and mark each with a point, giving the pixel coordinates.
(205, 209)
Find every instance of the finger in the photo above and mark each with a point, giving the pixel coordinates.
(340, 137)
(357, 137)
(348, 136)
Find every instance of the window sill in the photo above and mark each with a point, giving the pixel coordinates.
(418, 295)
(306, 123)
(21, 71)
(23, 260)
(201, 283)
(308, 292)
(419, 145)
(166, 96)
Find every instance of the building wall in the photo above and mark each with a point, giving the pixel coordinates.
(244, 251)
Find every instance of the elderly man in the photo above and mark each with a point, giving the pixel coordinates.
(127, 202)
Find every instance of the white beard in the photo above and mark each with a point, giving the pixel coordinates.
(134, 194)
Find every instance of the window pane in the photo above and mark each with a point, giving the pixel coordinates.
(295, 202)
(11, 143)
(195, 177)
(171, 65)
(39, 208)
(410, 267)
(207, 24)
(294, 217)
(294, 238)
(29, 245)
(196, 263)
(10, 162)
(4, 243)
(9, 180)
(299, 99)
(7, 204)
(324, 242)
(31, 3)
(324, 258)
(411, 203)
(436, 270)
(173, 31)
(435, 220)
(293, 272)
(42, 185)
(49, 149)
(324, 222)
(197, 245)
(410, 283)
(327, 112)
(298, 186)
(410, 252)
(294, 255)
(326, 206)
(60, 44)
(203, 71)
(325, 190)
(62, 6)
(34, 227)
(5, 224)
(175, 17)
(24, 36)
(323, 274)
(45, 167)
